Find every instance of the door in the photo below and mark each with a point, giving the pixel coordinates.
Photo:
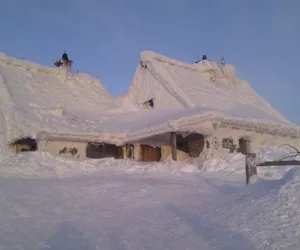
(150, 154)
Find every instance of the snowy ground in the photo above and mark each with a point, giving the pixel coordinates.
(53, 203)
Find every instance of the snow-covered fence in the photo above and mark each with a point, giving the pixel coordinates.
(251, 165)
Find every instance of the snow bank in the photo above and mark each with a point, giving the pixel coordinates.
(44, 165)
(198, 212)
(273, 154)
(233, 165)
(268, 212)
(230, 163)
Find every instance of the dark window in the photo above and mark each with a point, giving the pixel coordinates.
(243, 146)
(195, 144)
(227, 143)
(192, 145)
(149, 103)
(103, 150)
(24, 144)
(181, 143)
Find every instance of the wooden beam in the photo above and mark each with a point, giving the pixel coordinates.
(173, 144)
(278, 163)
(251, 165)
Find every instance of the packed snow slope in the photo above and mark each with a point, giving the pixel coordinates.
(174, 84)
(54, 203)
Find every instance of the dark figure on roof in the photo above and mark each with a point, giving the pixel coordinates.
(58, 63)
(65, 56)
(149, 103)
(204, 57)
(64, 61)
(143, 65)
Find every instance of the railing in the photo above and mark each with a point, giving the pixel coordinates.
(251, 163)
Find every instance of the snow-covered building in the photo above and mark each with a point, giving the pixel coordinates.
(205, 106)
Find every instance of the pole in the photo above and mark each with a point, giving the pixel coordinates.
(173, 143)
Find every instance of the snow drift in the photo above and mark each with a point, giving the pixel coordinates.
(54, 203)
(44, 165)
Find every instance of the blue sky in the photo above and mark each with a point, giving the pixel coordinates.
(105, 37)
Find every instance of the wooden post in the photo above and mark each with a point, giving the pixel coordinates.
(137, 152)
(250, 166)
(173, 143)
(124, 152)
(250, 161)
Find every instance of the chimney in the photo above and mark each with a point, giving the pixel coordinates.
(222, 61)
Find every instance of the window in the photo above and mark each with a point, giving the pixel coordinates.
(103, 150)
(24, 145)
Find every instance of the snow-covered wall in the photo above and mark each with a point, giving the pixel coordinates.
(257, 140)
(213, 143)
(56, 148)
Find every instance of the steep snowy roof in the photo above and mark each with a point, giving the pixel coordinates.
(32, 98)
(174, 84)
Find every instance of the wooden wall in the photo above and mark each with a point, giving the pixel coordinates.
(149, 153)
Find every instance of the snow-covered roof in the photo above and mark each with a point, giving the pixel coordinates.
(40, 101)
(134, 126)
(174, 84)
(32, 98)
